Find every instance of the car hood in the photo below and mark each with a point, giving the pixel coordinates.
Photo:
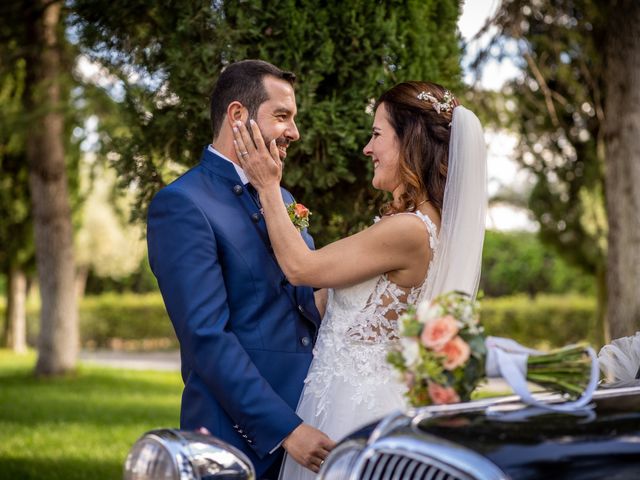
(529, 442)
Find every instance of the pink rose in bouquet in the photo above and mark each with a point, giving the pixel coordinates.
(442, 395)
(438, 332)
(456, 353)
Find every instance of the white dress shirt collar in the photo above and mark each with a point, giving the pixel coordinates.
(238, 168)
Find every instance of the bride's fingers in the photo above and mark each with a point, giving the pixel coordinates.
(273, 149)
(257, 136)
(238, 141)
(249, 145)
(239, 151)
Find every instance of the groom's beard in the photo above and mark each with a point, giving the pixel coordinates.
(280, 141)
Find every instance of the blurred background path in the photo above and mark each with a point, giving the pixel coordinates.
(170, 361)
(163, 361)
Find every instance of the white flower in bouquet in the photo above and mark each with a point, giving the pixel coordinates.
(428, 311)
(404, 322)
(410, 351)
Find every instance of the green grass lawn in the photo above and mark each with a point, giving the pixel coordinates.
(79, 427)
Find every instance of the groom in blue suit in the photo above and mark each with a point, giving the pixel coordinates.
(246, 334)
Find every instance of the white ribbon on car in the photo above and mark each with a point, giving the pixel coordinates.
(506, 358)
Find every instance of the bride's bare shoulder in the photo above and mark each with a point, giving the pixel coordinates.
(406, 227)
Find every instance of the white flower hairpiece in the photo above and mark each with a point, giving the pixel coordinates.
(445, 106)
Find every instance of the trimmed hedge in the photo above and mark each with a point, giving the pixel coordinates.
(136, 321)
(518, 262)
(140, 321)
(541, 322)
(106, 317)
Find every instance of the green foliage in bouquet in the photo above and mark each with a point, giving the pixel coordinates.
(565, 370)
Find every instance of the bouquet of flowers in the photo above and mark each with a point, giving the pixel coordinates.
(443, 355)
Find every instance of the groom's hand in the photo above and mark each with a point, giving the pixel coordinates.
(308, 446)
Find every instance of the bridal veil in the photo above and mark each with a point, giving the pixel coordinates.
(457, 261)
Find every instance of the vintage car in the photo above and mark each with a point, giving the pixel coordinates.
(495, 438)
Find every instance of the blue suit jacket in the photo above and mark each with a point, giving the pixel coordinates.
(245, 333)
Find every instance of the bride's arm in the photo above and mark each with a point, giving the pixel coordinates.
(390, 245)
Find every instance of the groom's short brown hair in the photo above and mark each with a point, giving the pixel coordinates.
(243, 82)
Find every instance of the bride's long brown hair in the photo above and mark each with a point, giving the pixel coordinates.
(423, 136)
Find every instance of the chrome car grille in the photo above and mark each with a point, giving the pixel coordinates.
(397, 466)
(407, 456)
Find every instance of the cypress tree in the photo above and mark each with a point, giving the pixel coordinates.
(344, 54)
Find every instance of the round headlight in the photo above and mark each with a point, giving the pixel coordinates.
(180, 455)
(150, 459)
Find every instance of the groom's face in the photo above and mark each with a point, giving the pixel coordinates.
(276, 115)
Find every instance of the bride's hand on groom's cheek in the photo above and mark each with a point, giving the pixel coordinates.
(308, 446)
(261, 164)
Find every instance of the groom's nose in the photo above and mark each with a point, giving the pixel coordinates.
(292, 132)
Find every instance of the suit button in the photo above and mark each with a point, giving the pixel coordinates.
(237, 189)
(255, 217)
(300, 308)
(305, 341)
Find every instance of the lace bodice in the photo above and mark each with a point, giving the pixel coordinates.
(358, 328)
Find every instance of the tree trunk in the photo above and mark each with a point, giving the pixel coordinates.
(82, 273)
(622, 137)
(16, 314)
(58, 342)
(600, 332)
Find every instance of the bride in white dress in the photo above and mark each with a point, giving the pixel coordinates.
(430, 154)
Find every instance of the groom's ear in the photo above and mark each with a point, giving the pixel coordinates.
(237, 112)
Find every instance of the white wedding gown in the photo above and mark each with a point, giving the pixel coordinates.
(350, 383)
